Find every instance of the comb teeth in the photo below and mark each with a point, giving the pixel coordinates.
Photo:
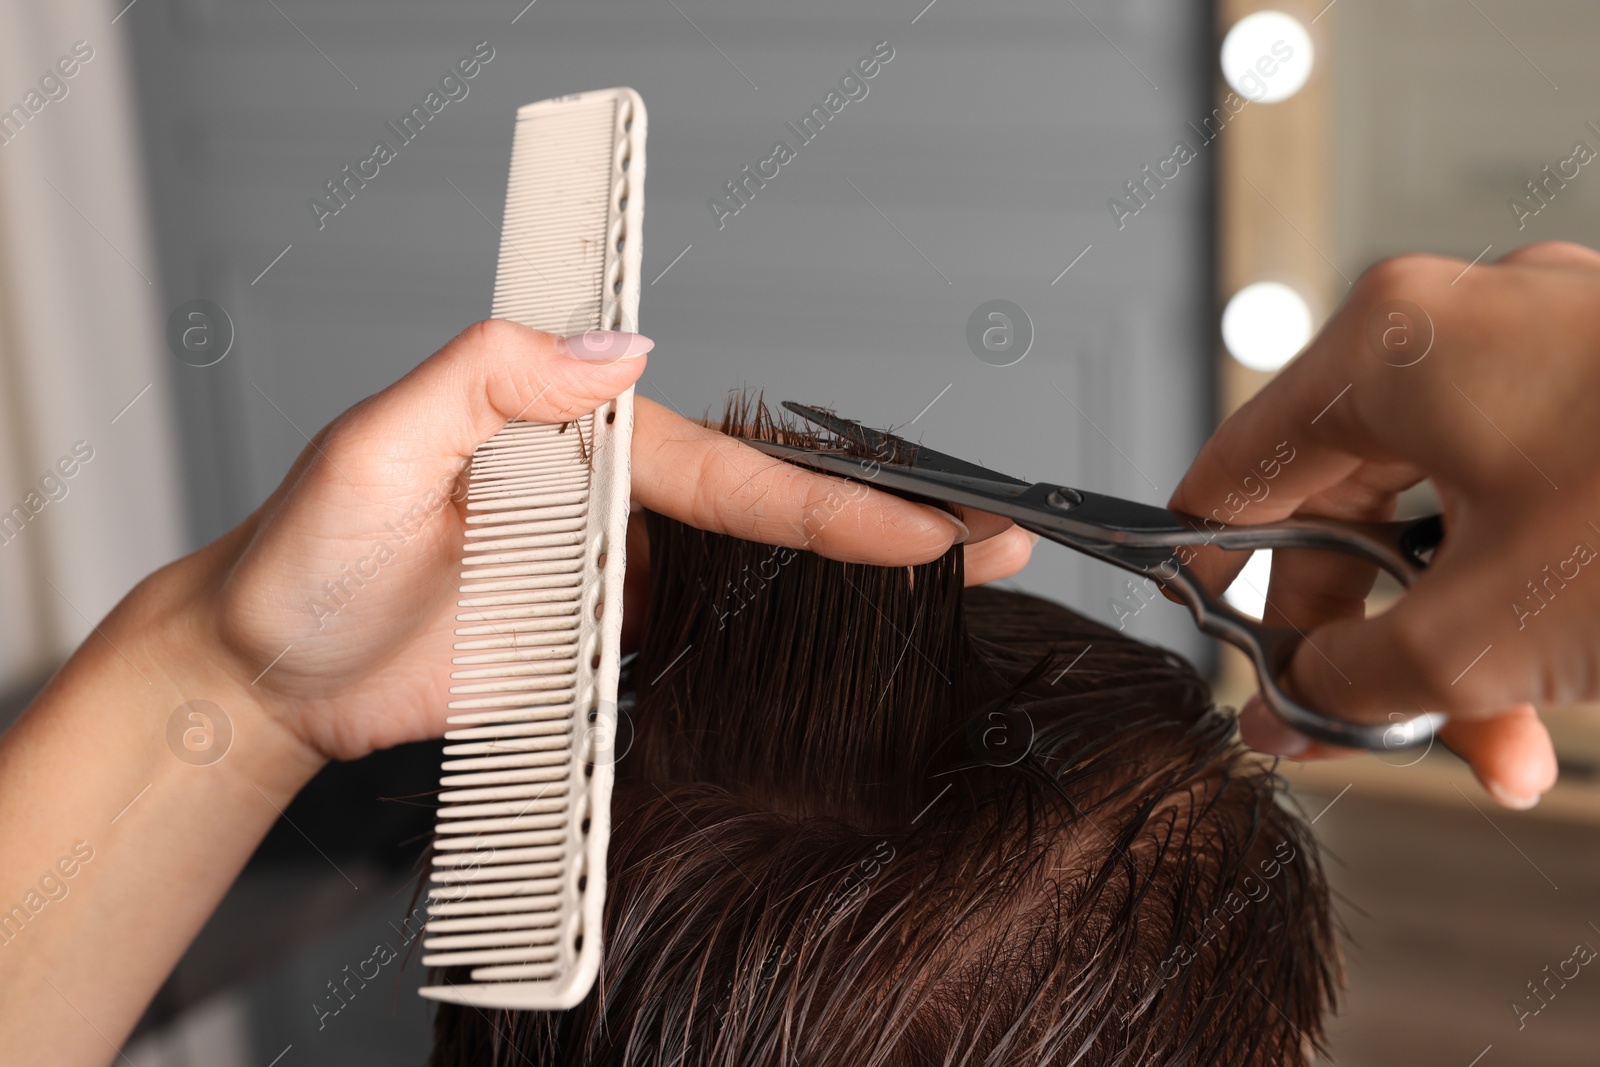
(517, 887)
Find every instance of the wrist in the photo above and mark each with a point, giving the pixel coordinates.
(96, 766)
(204, 694)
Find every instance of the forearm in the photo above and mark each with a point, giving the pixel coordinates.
(114, 848)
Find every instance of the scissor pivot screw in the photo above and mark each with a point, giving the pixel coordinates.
(1063, 499)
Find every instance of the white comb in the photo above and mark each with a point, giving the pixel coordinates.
(518, 879)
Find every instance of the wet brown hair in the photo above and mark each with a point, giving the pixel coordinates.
(872, 819)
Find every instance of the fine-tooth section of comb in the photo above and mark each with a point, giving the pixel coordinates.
(518, 880)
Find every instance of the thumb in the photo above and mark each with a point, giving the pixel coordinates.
(425, 425)
(494, 371)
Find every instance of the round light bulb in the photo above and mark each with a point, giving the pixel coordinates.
(1265, 324)
(1267, 57)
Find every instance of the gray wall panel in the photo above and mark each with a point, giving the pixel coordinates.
(991, 141)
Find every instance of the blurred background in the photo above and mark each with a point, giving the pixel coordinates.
(1019, 158)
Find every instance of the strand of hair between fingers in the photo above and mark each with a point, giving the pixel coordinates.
(896, 629)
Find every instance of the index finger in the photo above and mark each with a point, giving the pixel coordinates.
(717, 483)
(1305, 431)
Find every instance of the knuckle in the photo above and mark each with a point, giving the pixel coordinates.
(1550, 252)
(724, 495)
(705, 504)
(1401, 276)
(818, 524)
(496, 334)
(493, 355)
(348, 430)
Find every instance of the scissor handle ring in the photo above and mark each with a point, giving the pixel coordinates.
(1271, 648)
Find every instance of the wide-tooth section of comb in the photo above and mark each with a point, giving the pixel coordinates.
(517, 888)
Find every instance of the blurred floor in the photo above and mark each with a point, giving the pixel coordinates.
(1450, 912)
(282, 1016)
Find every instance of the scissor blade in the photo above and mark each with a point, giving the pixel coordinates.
(1093, 518)
(983, 493)
(840, 427)
(888, 447)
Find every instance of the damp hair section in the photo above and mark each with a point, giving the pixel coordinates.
(872, 818)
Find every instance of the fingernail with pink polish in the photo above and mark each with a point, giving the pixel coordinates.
(605, 346)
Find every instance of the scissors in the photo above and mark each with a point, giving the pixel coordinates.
(1148, 541)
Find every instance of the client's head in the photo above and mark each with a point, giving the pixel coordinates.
(870, 819)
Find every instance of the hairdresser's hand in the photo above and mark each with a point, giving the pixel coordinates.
(363, 663)
(1498, 402)
(320, 628)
